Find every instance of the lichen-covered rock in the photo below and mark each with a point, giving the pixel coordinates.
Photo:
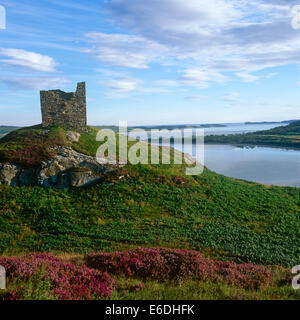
(82, 178)
(68, 169)
(9, 174)
(73, 136)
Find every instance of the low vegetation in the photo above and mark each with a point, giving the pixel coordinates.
(28, 147)
(172, 264)
(225, 218)
(140, 274)
(153, 206)
(43, 276)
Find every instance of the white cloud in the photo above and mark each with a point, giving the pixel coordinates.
(167, 83)
(109, 73)
(124, 86)
(247, 77)
(233, 98)
(29, 60)
(195, 97)
(154, 90)
(174, 16)
(34, 83)
(199, 77)
(124, 50)
(121, 85)
(271, 75)
(206, 39)
(237, 35)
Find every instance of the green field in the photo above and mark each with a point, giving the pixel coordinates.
(227, 219)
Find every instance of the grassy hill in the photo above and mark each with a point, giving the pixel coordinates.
(149, 206)
(284, 136)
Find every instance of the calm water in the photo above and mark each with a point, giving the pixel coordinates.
(260, 164)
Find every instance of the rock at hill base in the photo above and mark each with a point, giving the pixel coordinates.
(9, 174)
(68, 169)
(73, 136)
(78, 179)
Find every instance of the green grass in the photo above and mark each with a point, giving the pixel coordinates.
(39, 287)
(223, 217)
(151, 206)
(200, 290)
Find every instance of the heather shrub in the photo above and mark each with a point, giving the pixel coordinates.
(62, 280)
(173, 264)
(27, 157)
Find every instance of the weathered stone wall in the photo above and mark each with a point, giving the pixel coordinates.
(65, 109)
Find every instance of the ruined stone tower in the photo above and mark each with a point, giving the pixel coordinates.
(65, 109)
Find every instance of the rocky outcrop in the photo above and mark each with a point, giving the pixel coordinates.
(73, 136)
(67, 169)
(9, 174)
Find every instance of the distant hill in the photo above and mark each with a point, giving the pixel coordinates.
(271, 122)
(283, 136)
(179, 126)
(168, 127)
(7, 129)
(292, 129)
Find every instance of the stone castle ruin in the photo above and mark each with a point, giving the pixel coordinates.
(65, 109)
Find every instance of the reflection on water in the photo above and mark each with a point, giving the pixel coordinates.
(261, 164)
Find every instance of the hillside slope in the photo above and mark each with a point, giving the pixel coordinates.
(150, 206)
(284, 136)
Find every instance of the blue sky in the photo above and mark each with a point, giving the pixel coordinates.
(154, 61)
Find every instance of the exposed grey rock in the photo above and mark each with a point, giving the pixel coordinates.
(84, 178)
(9, 174)
(73, 136)
(68, 169)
